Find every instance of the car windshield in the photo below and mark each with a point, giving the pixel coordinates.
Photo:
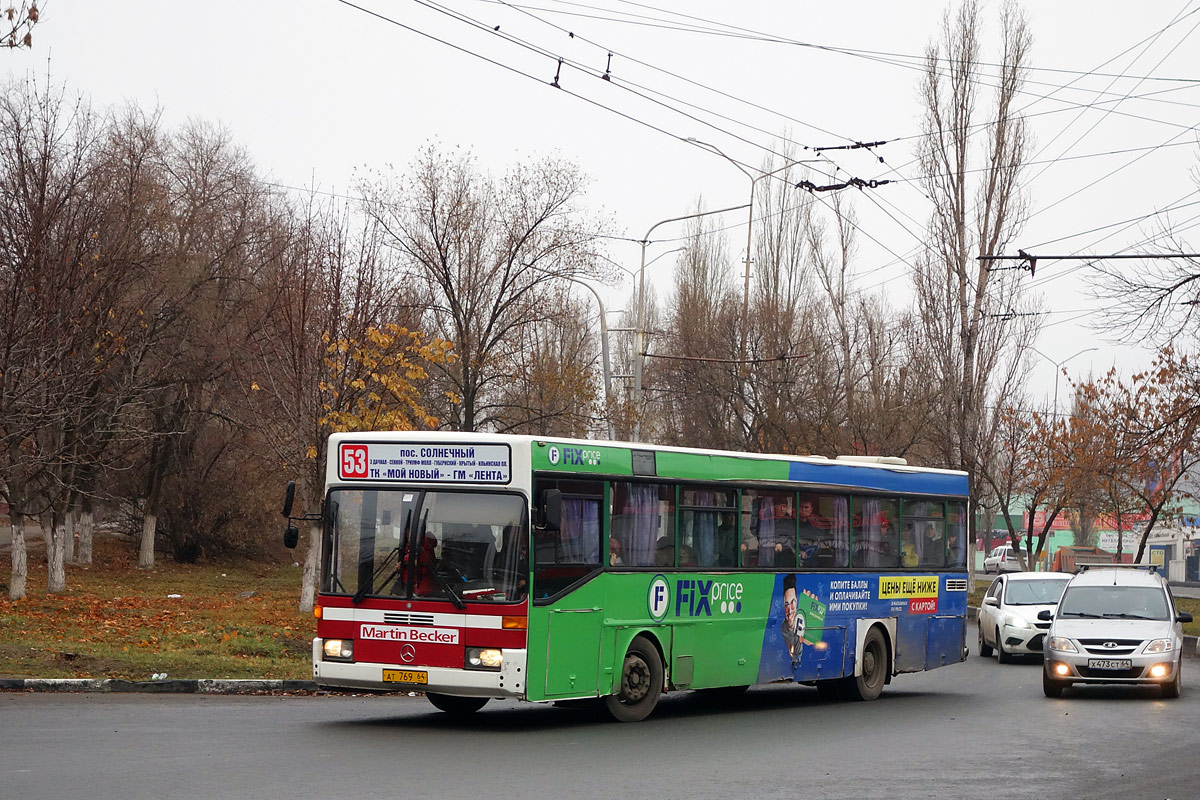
(467, 546)
(1116, 602)
(1042, 591)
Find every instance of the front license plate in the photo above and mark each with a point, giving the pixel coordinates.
(405, 676)
(1109, 663)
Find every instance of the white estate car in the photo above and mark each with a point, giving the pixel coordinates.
(1008, 616)
(1001, 559)
(1115, 625)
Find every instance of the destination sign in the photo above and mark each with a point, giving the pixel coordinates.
(425, 463)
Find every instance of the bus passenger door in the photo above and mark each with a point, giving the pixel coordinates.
(573, 652)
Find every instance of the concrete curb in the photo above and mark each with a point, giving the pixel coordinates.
(112, 685)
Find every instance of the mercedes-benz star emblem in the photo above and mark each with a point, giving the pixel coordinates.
(407, 653)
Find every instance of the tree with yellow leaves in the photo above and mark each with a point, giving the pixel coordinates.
(384, 372)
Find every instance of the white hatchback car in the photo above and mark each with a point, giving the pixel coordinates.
(1001, 559)
(1115, 625)
(1008, 617)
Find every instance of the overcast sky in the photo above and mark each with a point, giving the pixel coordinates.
(316, 90)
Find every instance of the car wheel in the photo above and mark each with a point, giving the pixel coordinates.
(1052, 687)
(1002, 655)
(985, 649)
(1171, 690)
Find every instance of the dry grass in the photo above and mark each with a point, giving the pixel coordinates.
(117, 621)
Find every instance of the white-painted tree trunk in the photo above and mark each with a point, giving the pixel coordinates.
(20, 559)
(56, 578)
(86, 528)
(308, 581)
(146, 548)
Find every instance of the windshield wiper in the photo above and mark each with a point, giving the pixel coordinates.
(458, 601)
(383, 566)
(1081, 614)
(1124, 615)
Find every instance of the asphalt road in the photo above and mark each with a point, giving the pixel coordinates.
(977, 729)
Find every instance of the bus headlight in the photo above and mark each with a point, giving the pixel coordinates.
(489, 658)
(339, 649)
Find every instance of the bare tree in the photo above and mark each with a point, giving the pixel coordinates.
(973, 314)
(487, 251)
(48, 289)
(694, 372)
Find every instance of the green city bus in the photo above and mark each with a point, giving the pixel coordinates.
(471, 566)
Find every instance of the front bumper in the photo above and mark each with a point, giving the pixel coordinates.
(508, 682)
(1138, 672)
(1023, 640)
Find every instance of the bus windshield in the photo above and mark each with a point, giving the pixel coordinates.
(456, 546)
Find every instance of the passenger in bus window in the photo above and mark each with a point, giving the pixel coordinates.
(933, 551)
(727, 544)
(908, 547)
(686, 557)
(954, 549)
(614, 552)
(664, 552)
(811, 536)
(749, 548)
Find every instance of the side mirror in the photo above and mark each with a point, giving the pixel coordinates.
(552, 509)
(291, 537)
(1045, 615)
(1184, 616)
(992, 601)
(289, 496)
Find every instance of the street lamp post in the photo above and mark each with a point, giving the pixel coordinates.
(1057, 369)
(639, 339)
(754, 179)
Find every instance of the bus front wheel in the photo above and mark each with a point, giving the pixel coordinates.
(458, 706)
(869, 684)
(640, 684)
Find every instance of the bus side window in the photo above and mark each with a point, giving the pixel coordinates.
(643, 523)
(563, 557)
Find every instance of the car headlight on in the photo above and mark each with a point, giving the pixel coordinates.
(1160, 646)
(1015, 621)
(489, 658)
(1062, 644)
(339, 649)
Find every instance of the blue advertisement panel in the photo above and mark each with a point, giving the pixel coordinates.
(811, 631)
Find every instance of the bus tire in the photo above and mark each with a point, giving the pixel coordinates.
(639, 684)
(455, 705)
(869, 684)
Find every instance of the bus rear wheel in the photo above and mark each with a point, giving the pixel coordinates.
(869, 684)
(640, 684)
(457, 706)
